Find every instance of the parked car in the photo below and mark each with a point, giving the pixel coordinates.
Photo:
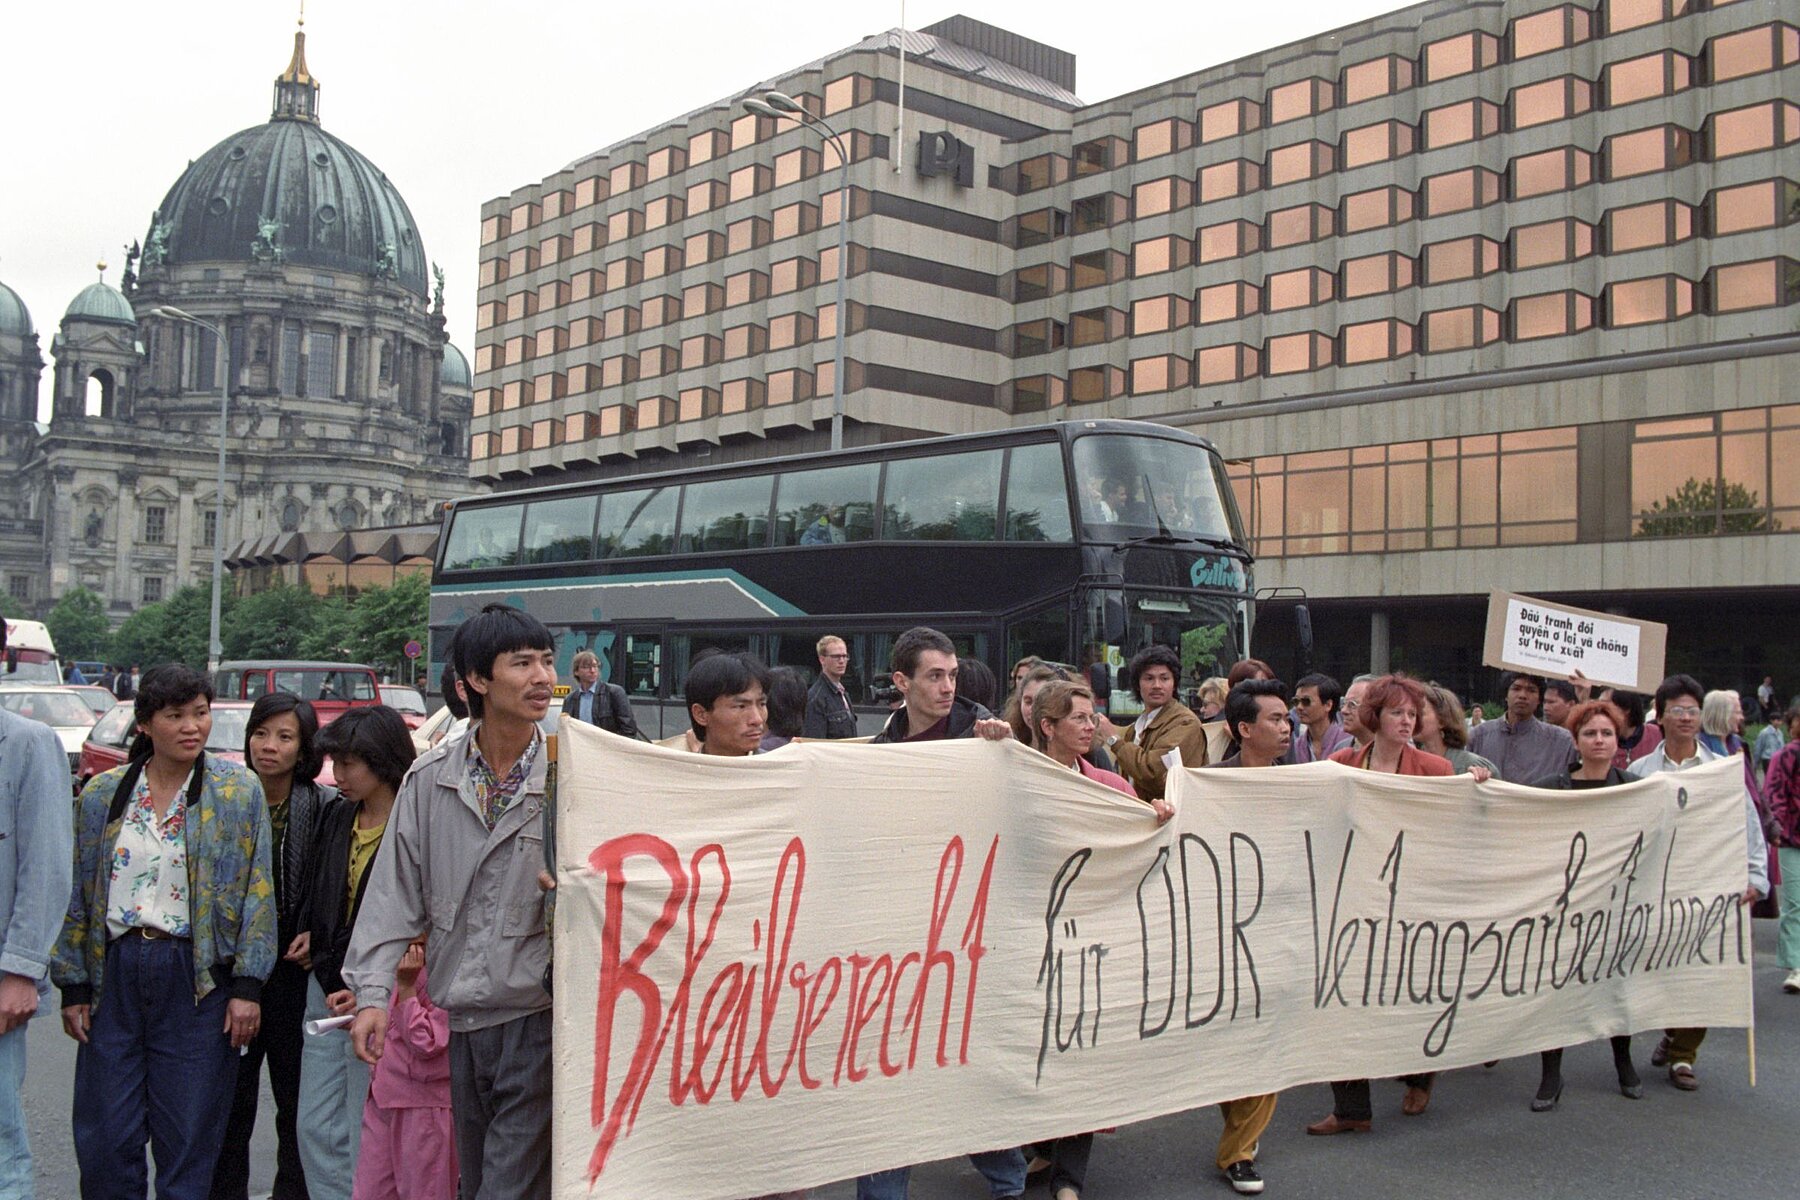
(406, 701)
(109, 742)
(61, 708)
(332, 687)
(96, 698)
(432, 731)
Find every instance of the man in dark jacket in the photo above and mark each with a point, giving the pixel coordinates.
(602, 704)
(924, 666)
(828, 712)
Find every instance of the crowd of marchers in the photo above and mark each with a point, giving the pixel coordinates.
(382, 946)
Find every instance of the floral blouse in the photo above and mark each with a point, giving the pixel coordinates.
(148, 886)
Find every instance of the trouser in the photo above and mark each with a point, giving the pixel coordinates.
(1245, 1122)
(15, 1149)
(1787, 947)
(1004, 1171)
(500, 1098)
(407, 1154)
(1068, 1157)
(157, 1066)
(1350, 1097)
(278, 1041)
(334, 1085)
(1684, 1045)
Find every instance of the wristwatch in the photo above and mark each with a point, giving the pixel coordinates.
(1112, 740)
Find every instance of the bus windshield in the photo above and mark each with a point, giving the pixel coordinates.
(1206, 629)
(1133, 486)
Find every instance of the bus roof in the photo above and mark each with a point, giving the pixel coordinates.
(28, 635)
(1059, 430)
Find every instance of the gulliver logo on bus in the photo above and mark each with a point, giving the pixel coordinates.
(1216, 573)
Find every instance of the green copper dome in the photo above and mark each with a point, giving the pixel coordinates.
(289, 192)
(103, 303)
(15, 318)
(455, 373)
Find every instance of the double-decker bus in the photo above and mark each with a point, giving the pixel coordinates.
(1080, 542)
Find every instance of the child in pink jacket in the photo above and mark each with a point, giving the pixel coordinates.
(408, 1146)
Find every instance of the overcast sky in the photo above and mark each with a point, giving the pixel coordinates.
(458, 101)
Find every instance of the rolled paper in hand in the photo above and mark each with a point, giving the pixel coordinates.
(315, 1028)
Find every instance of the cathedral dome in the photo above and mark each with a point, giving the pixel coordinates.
(454, 373)
(100, 302)
(288, 191)
(15, 318)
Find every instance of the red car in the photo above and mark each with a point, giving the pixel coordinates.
(406, 701)
(109, 742)
(331, 687)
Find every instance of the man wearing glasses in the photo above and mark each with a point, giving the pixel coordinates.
(1678, 712)
(1318, 734)
(828, 712)
(1353, 698)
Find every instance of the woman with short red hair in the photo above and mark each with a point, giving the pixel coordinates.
(1390, 712)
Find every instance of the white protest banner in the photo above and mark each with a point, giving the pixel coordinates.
(1541, 638)
(778, 971)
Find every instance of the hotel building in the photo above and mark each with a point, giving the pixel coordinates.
(1470, 295)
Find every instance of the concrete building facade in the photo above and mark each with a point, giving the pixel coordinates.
(1470, 295)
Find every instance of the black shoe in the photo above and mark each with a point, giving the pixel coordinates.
(1243, 1177)
(1547, 1096)
(1630, 1086)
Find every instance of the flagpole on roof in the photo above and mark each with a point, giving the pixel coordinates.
(900, 120)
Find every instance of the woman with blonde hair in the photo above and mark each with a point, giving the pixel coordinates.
(1209, 697)
(1444, 731)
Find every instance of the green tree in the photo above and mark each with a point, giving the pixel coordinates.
(271, 624)
(1699, 507)
(385, 619)
(1200, 650)
(333, 633)
(78, 625)
(174, 630)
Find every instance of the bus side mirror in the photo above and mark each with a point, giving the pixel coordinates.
(1303, 639)
(1100, 681)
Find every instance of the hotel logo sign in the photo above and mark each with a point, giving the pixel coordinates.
(944, 153)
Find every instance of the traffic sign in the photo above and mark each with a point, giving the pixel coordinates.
(412, 649)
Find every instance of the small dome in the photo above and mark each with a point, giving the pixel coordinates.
(101, 302)
(454, 373)
(15, 318)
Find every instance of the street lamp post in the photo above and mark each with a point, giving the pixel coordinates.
(778, 105)
(213, 646)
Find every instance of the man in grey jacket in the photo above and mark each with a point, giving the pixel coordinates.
(37, 862)
(1521, 747)
(460, 860)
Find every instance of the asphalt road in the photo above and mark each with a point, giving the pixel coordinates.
(1479, 1138)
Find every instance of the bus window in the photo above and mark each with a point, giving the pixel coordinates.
(949, 499)
(637, 523)
(726, 514)
(1144, 486)
(643, 664)
(1037, 495)
(559, 530)
(827, 506)
(483, 537)
(1044, 633)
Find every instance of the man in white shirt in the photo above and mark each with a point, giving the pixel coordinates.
(1678, 710)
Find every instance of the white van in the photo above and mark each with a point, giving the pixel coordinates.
(30, 654)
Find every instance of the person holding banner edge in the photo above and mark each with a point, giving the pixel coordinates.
(461, 859)
(1597, 725)
(1389, 715)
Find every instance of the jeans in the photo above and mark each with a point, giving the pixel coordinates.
(1003, 1169)
(15, 1150)
(334, 1086)
(1787, 948)
(157, 1067)
(283, 1008)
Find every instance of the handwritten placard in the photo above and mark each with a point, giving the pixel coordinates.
(1557, 640)
(836, 959)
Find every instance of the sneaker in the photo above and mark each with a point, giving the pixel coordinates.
(1244, 1178)
(1791, 985)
